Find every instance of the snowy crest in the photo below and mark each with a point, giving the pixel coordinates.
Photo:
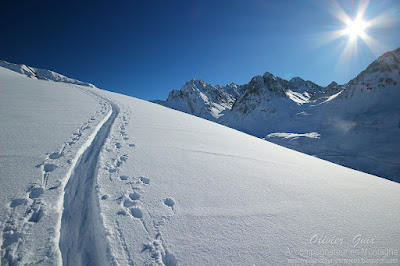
(37, 73)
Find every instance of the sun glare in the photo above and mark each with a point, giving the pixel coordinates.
(356, 28)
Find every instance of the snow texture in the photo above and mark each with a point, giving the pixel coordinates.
(94, 177)
(43, 126)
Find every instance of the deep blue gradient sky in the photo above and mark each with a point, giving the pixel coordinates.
(147, 48)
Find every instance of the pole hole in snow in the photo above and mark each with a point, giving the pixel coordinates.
(104, 197)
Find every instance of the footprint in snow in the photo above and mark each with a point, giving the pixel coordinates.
(11, 236)
(55, 155)
(49, 167)
(169, 202)
(35, 192)
(122, 212)
(128, 203)
(134, 196)
(124, 177)
(37, 215)
(123, 158)
(145, 180)
(137, 212)
(17, 202)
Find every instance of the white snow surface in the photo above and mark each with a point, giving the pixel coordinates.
(43, 125)
(312, 135)
(91, 176)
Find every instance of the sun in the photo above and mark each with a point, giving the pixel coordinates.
(356, 28)
(356, 32)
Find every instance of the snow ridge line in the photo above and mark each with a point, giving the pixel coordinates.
(81, 235)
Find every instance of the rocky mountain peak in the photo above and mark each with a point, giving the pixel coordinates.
(382, 73)
(268, 75)
(297, 80)
(333, 84)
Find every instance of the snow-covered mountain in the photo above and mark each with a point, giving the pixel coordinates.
(91, 177)
(199, 98)
(356, 125)
(37, 73)
(202, 99)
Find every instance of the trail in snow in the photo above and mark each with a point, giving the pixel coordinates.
(46, 139)
(82, 239)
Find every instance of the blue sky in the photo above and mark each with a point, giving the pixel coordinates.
(147, 48)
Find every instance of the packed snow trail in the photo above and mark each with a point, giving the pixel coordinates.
(82, 239)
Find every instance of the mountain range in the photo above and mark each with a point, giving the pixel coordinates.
(356, 124)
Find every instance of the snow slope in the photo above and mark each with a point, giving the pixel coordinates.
(176, 188)
(44, 124)
(90, 176)
(358, 123)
